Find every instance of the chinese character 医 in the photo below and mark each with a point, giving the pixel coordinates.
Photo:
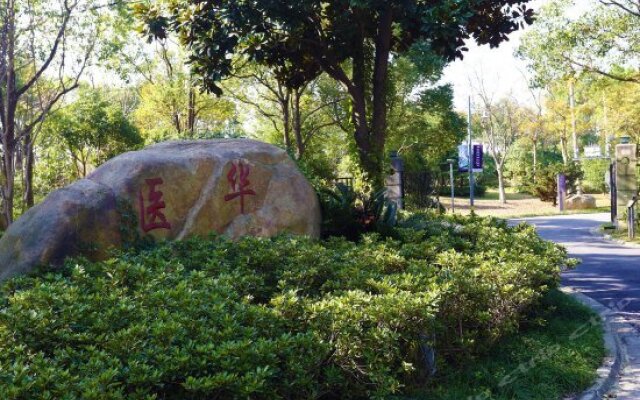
(151, 217)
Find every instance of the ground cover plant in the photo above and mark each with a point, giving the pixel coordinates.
(286, 317)
(543, 361)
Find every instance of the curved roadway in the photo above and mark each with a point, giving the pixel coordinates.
(609, 272)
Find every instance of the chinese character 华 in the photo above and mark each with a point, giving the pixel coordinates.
(151, 217)
(238, 182)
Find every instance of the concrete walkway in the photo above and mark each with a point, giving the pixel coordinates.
(610, 274)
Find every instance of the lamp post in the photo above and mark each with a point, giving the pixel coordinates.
(453, 192)
(470, 152)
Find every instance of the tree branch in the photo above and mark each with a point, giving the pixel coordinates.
(52, 53)
(603, 73)
(622, 7)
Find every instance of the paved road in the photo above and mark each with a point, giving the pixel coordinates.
(609, 272)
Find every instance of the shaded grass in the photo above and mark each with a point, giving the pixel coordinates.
(493, 194)
(543, 361)
(597, 210)
(621, 233)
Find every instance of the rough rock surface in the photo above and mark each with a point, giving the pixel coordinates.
(580, 202)
(171, 190)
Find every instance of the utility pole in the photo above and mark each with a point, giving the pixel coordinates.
(574, 129)
(605, 123)
(452, 183)
(471, 179)
(574, 126)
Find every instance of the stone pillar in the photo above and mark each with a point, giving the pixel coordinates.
(394, 182)
(626, 179)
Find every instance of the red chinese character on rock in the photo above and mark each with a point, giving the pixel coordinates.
(151, 217)
(238, 182)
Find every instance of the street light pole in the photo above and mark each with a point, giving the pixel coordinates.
(471, 178)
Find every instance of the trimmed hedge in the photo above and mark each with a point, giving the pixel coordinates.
(286, 318)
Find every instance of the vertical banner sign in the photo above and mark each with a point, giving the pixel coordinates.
(463, 158)
(478, 158)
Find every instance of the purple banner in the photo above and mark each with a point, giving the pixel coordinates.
(478, 156)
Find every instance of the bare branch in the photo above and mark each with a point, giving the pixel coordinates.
(617, 77)
(52, 52)
(622, 7)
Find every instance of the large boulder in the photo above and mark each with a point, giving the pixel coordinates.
(580, 202)
(171, 190)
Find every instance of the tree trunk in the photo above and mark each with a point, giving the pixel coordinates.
(535, 158)
(371, 141)
(9, 125)
(359, 113)
(297, 126)
(84, 161)
(502, 196)
(191, 111)
(380, 80)
(563, 149)
(29, 160)
(286, 118)
(176, 120)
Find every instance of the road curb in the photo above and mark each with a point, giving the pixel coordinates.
(610, 370)
(598, 233)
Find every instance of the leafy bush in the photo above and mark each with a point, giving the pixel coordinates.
(545, 185)
(350, 214)
(594, 170)
(519, 167)
(286, 317)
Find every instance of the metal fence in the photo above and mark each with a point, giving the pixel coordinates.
(420, 189)
(348, 182)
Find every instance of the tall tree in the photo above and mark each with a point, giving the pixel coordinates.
(92, 130)
(170, 105)
(338, 36)
(501, 123)
(45, 48)
(605, 40)
(298, 114)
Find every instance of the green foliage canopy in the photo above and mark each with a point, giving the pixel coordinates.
(311, 36)
(91, 130)
(604, 40)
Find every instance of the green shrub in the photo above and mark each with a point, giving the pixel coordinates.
(594, 170)
(350, 214)
(519, 166)
(545, 185)
(286, 317)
